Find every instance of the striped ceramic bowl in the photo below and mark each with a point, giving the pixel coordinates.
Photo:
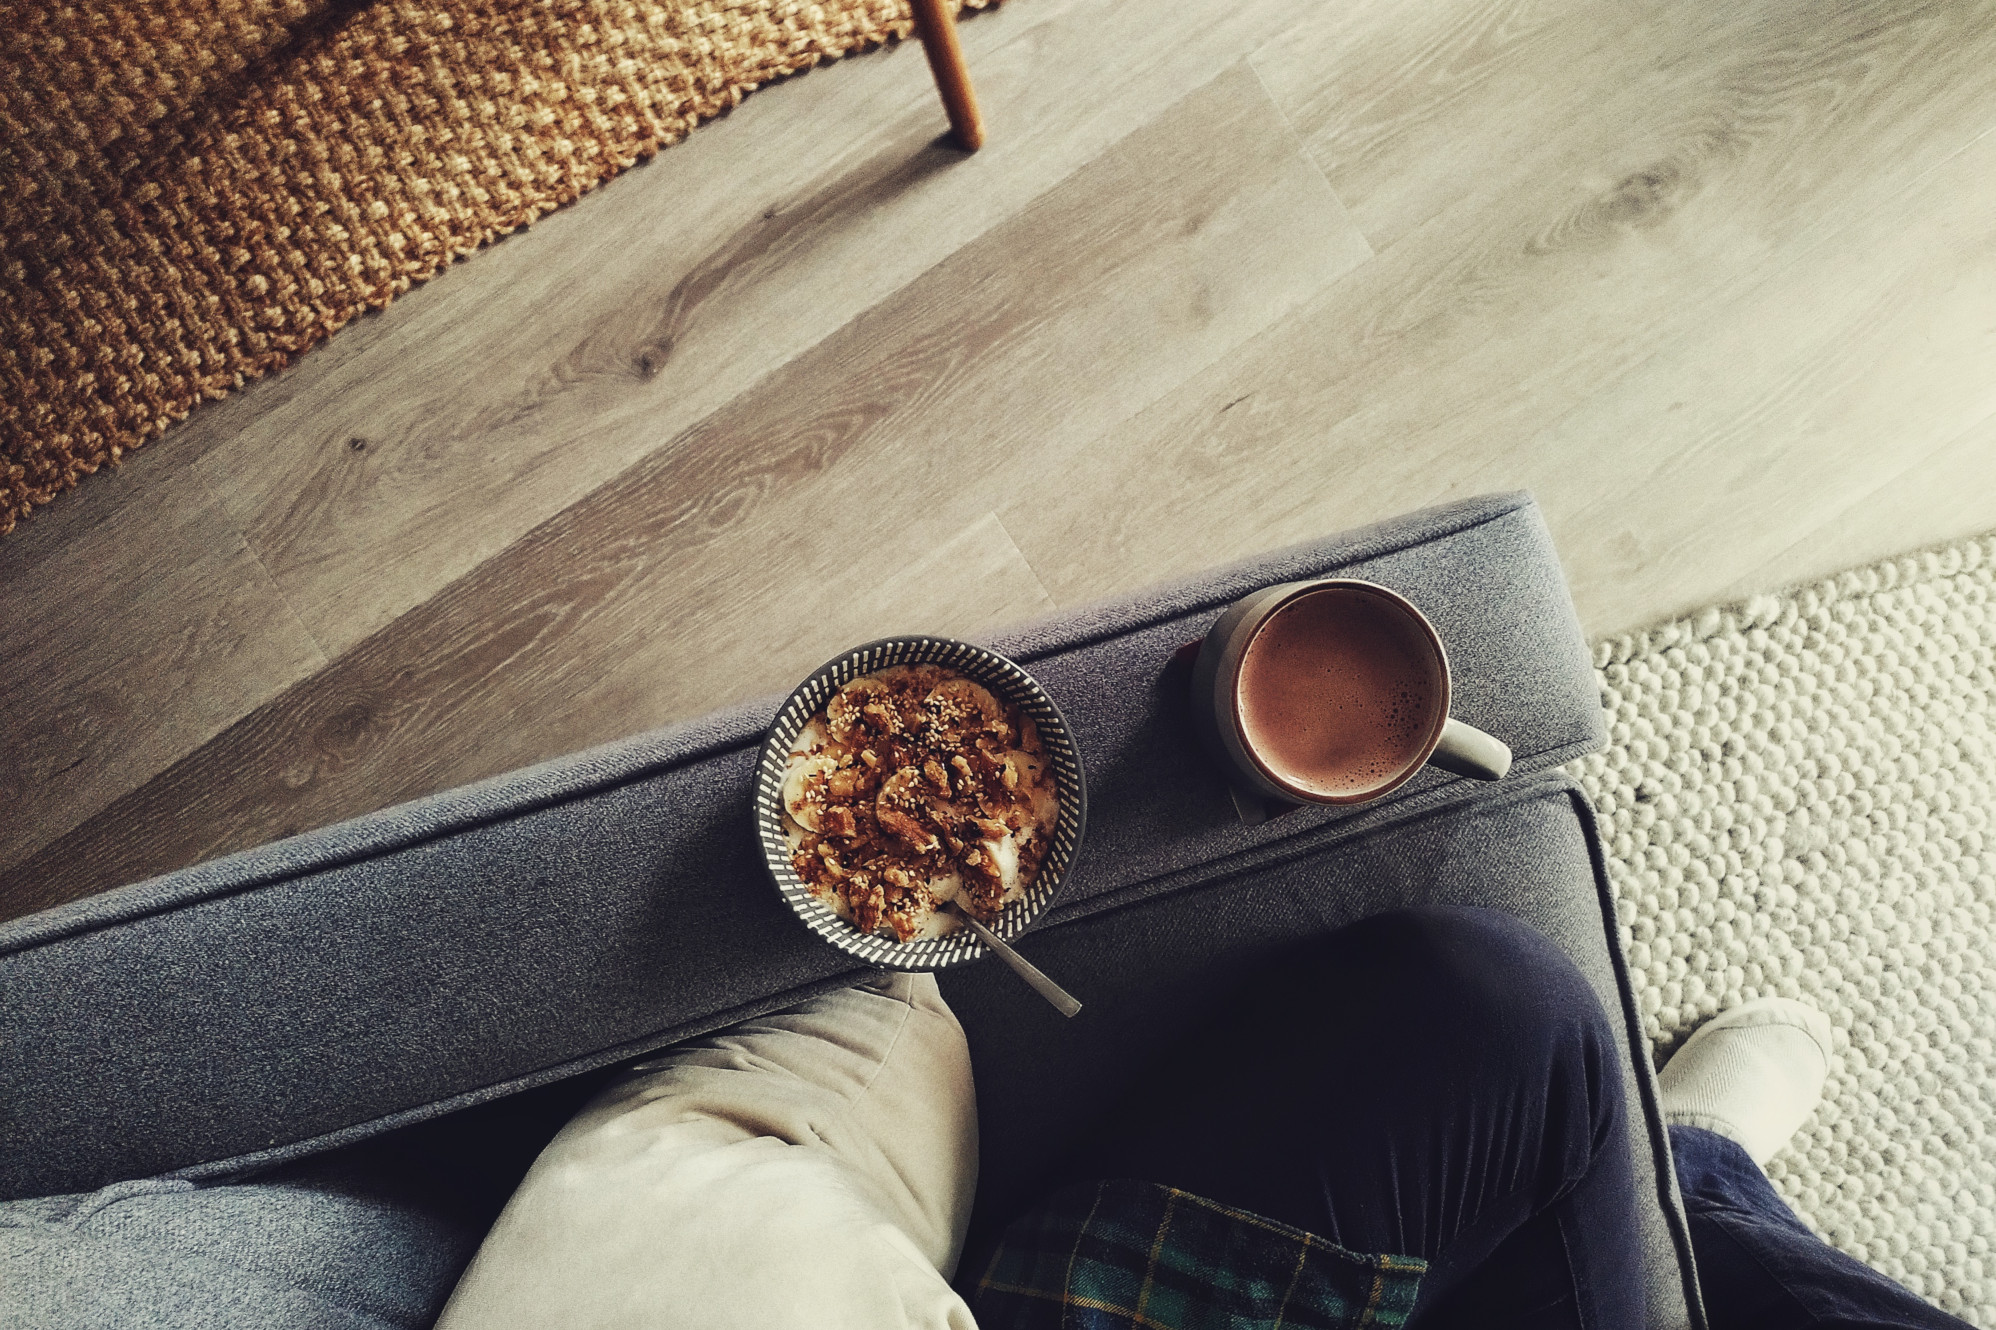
(1007, 681)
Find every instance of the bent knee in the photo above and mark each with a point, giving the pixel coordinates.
(1483, 966)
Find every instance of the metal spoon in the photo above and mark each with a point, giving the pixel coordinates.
(1025, 969)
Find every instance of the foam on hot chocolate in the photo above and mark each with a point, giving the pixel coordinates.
(1339, 691)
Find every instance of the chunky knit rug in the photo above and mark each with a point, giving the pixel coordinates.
(194, 191)
(1797, 800)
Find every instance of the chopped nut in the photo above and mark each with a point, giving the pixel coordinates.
(898, 823)
(866, 899)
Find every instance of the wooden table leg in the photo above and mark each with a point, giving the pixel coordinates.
(935, 20)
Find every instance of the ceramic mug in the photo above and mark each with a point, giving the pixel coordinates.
(1351, 675)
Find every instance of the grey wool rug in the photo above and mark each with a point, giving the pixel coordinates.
(1796, 799)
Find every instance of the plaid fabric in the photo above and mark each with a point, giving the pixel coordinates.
(1137, 1256)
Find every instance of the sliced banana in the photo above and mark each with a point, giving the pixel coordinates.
(1046, 806)
(1003, 853)
(842, 712)
(973, 698)
(802, 802)
(1028, 775)
(898, 806)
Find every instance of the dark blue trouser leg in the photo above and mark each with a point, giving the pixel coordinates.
(1761, 1268)
(1437, 1082)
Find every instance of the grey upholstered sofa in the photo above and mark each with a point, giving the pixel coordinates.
(292, 1086)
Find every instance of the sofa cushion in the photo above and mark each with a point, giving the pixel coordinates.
(329, 1244)
(834, 1142)
(518, 932)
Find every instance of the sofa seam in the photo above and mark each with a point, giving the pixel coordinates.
(1669, 1200)
(254, 1161)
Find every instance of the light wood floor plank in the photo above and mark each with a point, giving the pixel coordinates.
(1949, 494)
(1438, 369)
(973, 585)
(1408, 108)
(737, 557)
(1866, 354)
(514, 385)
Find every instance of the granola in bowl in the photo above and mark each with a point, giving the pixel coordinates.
(915, 785)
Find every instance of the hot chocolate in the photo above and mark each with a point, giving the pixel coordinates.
(1340, 692)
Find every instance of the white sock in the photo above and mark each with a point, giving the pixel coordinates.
(1753, 1074)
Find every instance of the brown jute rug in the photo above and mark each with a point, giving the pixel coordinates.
(194, 191)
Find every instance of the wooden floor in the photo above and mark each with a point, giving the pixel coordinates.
(1718, 282)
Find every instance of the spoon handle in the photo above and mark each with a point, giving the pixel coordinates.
(1025, 969)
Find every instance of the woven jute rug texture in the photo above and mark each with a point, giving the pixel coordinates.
(1797, 800)
(194, 191)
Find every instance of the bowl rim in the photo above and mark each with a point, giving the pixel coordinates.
(992, 669)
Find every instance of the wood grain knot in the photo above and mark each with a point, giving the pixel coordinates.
(1645, 198)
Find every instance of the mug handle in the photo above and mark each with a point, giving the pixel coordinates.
(1468, 751)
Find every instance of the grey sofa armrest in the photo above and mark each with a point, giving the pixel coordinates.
(333, 986)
